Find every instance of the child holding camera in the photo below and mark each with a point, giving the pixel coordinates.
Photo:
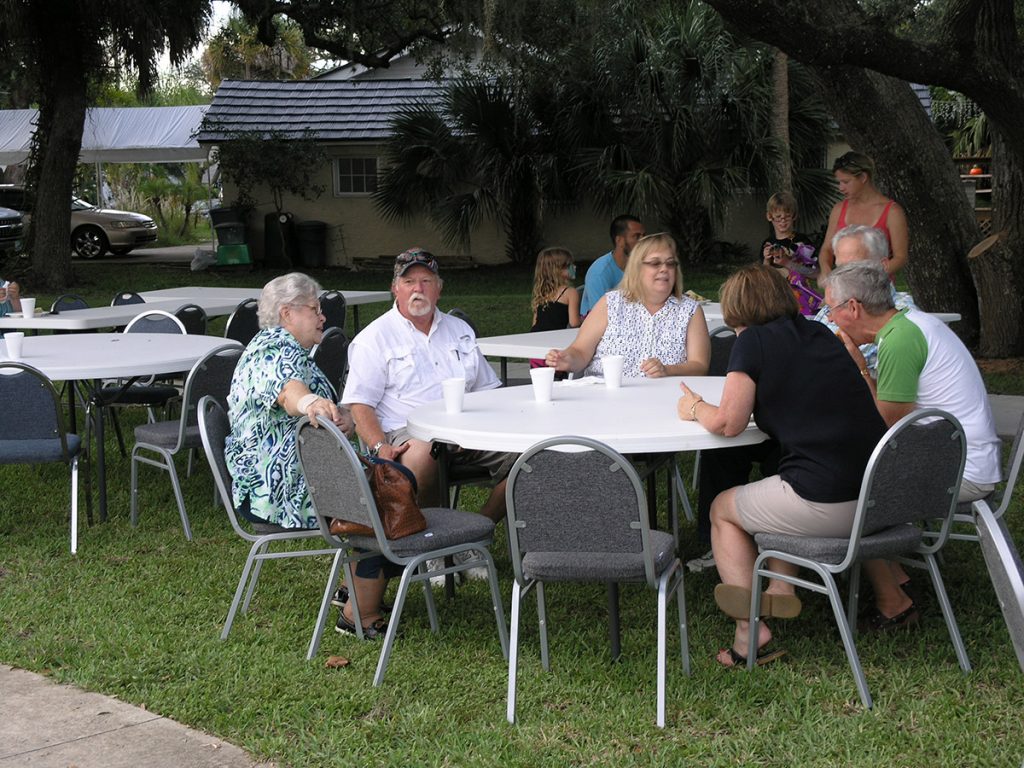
(790, 252)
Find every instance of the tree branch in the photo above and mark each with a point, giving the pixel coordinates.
(841, 33)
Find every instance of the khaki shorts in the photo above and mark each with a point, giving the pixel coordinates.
(497, 463)
(772, 506)
(973, 491)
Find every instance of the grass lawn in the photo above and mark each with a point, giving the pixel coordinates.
(138, 612)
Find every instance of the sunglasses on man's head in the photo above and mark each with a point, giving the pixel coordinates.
(417, 257)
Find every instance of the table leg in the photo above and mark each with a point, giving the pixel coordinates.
(101, 466)
(72, 419)
(652, 499)
(355, 320)
(504, 371)
(613, 620)
(440, 451)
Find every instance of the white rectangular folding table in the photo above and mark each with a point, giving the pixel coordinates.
(95, 356)
(196, 295)
(93, 318)
(536, 345)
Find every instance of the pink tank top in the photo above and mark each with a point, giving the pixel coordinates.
(880, 224)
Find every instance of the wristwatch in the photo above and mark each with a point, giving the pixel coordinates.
(376, 448)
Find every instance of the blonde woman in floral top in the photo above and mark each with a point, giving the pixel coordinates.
(646, 319)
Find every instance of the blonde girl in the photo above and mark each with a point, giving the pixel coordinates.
(556, 302)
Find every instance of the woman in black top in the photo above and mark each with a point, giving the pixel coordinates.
(790, 374)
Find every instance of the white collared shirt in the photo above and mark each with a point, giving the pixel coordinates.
(394, 367)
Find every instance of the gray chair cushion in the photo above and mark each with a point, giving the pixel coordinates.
(887, 543)
(37, 451)
(165, 434)
(599, 566)
(445, 528)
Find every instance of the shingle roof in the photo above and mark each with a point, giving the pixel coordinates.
(334, 110)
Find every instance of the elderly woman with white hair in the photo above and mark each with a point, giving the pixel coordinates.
(275, 383)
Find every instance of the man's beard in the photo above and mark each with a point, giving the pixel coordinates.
(419, 310)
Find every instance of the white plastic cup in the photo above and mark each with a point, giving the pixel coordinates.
(14, 341)
(28, 306)
(543, 381)
(612, 367)
(454, 390)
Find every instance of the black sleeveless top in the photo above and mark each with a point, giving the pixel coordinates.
(552, 315)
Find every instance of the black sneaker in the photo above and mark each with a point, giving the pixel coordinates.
(339, 598)
(373, 632)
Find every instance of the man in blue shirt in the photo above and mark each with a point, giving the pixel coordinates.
(606, 272)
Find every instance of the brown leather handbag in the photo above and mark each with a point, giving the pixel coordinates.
(394, 490)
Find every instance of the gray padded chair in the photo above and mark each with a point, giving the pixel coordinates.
(722, 339)
(193, 317)
(211, 375)
(244, 322)
(912, 478)
(126, 297)
(68, 301)
(597, 533)
(1007, 572)
(967, 511)
(331, 357)
(338, 488)
(150, 393)
(214, 429)
(333, 307)
(33, 427)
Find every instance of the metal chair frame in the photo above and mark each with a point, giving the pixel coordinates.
(213, 427)
(926, 548)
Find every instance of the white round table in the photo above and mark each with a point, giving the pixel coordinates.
(89, 356)
(638, 418)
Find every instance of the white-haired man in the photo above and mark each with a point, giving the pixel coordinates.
(398, 362)
(921, 364)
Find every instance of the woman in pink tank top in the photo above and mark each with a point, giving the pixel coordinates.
(863, 204)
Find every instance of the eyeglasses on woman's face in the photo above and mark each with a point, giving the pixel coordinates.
(657, 264)
(315, 307)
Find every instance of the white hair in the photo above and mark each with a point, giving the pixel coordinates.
(293, 288)
(874, 240)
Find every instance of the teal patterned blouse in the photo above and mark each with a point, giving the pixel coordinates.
(260, 451)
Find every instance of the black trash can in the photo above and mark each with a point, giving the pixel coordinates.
(230, 233)
(312, 237)
(279, 241)
(226, 216)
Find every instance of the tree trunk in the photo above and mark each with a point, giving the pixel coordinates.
(882, 117)
(780, 119)
(999, 273)
(59, 137)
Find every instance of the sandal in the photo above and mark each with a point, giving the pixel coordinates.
(340, 597)
(734, 601)
(764, 656)
(876, 621)
(375, 631)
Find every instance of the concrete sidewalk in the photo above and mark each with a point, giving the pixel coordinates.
(47, 725)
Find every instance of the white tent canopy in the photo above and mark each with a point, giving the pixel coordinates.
(116, 135)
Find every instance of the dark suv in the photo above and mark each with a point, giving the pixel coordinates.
(11, 230)
(94, 231)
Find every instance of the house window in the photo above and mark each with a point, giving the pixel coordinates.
(356, 175)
